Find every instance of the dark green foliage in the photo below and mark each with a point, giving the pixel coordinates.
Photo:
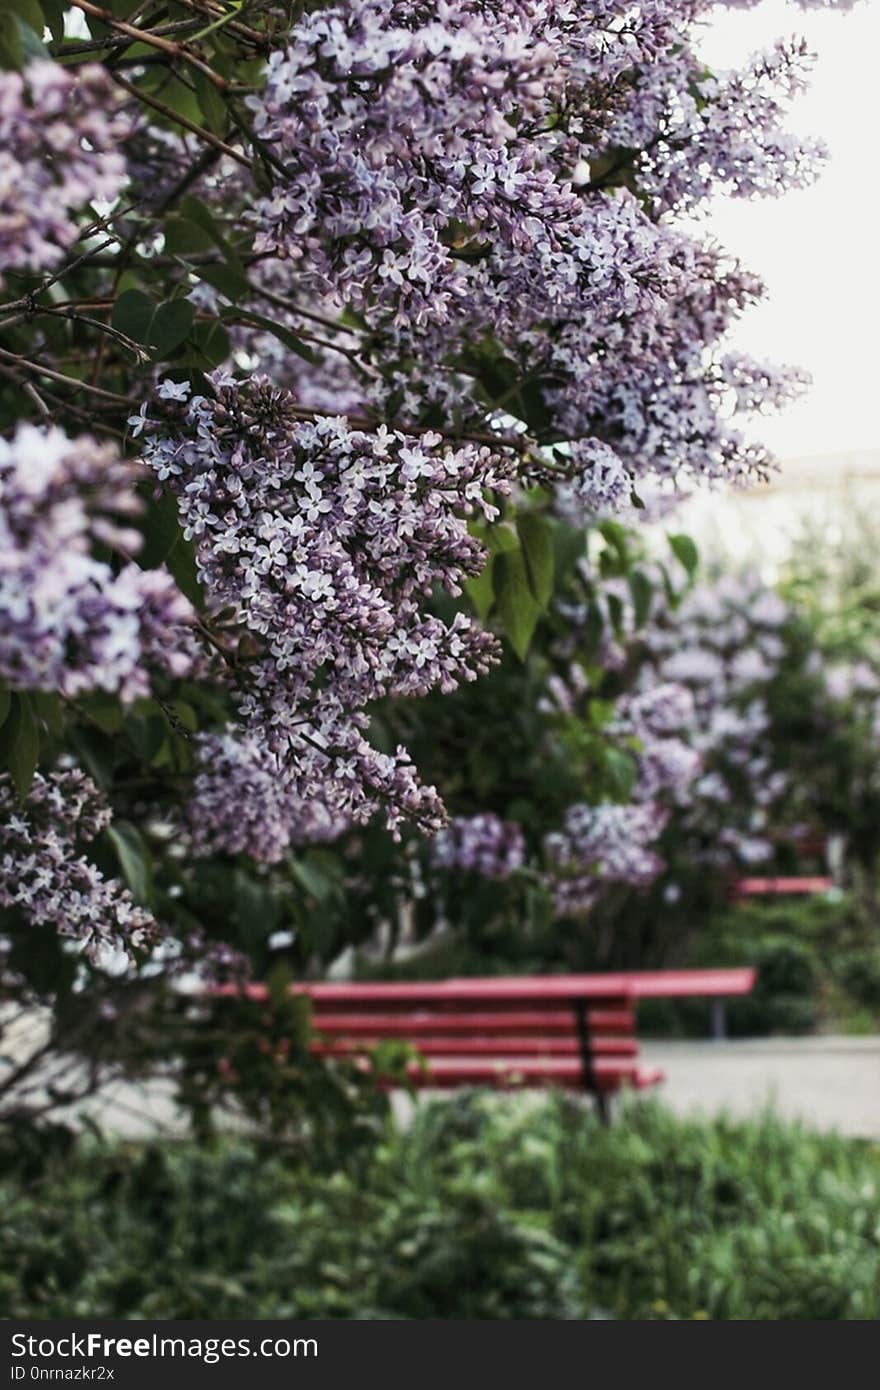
(486, 1207)
(818, 963)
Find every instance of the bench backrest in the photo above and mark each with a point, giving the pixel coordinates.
(569, 1030)
(781, 886)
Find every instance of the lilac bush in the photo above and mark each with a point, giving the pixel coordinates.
(323, 338)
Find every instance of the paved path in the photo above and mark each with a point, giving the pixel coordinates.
(829, 1083)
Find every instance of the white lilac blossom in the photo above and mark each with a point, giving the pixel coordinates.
(60, 137)
(68, 621)
(45, 877)
(326, 541)
(483, 844)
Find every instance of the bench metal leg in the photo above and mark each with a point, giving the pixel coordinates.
(590, 1080)
(719, 1020)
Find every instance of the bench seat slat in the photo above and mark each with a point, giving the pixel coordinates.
(489, 1047)
(436, 1022)
(558, 1071)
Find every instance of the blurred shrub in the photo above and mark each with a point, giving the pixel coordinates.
(818, 962)
(859, 973)
(484, 1207)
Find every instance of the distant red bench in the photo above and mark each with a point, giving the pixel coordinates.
(574, 1031)
(780, 886)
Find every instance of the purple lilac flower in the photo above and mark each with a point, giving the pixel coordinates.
(325, 541)
(60, 136)
(483, 844)
(43, 875)
(68, 622)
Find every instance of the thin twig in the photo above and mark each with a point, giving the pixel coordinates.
(183, 121)
(27, 365)
(139, 352)
(174, 50)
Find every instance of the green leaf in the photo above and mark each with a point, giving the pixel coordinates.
(642, 591)
(97, 751)
(210, 344)
(11, 42)
(146, 732)
(30, 12)
(134, 859)
(278, 330)
(516, 605)
(312, 879)
(186, 714)
(224, 278)
(160, 327)
(615, 612)
(615, 535)
(182, 567)
(480, 590)
(21, 33)
(186, 238)
(621, 772)
(254, 907)
(569, 546)
(673, 597)
(161, 532)
(196, 211)
(133, 314)
(20, 743)
(49, 710)
(685, 552)
(212, 104)
(104, 710)
(54, 11)
(537, 548)
(5, 703)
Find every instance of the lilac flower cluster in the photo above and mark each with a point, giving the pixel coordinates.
(68, 622)
(43, 875)
(704, 133)
(842, 5)
(606, 844)
(324, 541)
(456, 176)
(392, 125)
(725, 645)
(248, 800)
(483, 844)
(60, 136)
(598, 845)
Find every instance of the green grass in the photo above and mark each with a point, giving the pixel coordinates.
(485, 1207)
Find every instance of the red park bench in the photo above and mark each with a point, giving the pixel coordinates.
(573, 1031)
(780, 886)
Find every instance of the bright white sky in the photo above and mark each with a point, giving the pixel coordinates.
(818, 249)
